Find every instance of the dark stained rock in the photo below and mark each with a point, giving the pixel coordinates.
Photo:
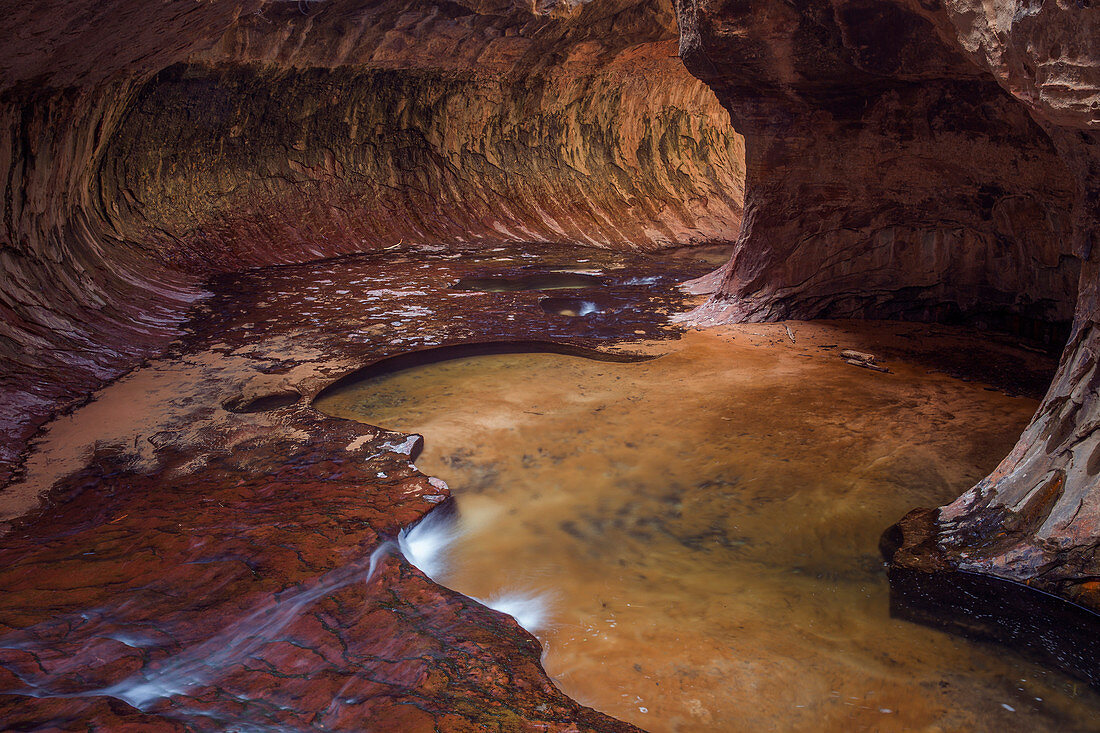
(1036, 519)
(1041, 503)
(887, 177)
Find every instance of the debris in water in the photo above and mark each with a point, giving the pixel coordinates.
(858, 356)
(860, 359)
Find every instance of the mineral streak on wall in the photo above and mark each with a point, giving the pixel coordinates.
(146, 146)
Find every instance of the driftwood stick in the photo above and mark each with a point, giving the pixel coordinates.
(858, 356)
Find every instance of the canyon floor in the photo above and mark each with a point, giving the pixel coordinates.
(215, 553)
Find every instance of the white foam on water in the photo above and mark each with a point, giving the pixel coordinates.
(530, 610)
(425, 543)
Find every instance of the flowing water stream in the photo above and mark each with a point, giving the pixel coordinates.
(694, 538)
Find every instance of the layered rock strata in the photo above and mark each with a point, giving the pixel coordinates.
(886, 175)
(1038, 514)
(923, 160)
(1036, 518)
(145, 149)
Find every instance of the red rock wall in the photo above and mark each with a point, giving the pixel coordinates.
(78, 303)
(268, 165)
(1036, 518)
(887, 177)
(904, 160)
(144, 147)
(927, 160)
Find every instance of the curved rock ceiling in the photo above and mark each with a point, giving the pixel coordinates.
(147, 147)
(931, 160)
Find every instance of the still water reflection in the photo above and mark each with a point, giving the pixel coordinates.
(694, 538)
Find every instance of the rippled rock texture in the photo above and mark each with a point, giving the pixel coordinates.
(145, 148)
(916, 160)
(932, 161)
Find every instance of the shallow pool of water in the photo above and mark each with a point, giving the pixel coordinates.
(694, 538)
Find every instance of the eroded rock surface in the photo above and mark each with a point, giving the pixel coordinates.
(905, 159)
(966, 182)
(145, 149)
(1037, 517)
(216, 567)
(887, 176)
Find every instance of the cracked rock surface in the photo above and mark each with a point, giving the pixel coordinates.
(283, 518)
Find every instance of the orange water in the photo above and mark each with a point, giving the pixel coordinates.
(695, 536)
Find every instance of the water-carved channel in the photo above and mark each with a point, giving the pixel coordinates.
(693, 537)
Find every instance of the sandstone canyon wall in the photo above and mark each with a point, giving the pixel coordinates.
(1036, 518)
(887, 176)
(146, 147)
(925, 160)
(917, 160)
